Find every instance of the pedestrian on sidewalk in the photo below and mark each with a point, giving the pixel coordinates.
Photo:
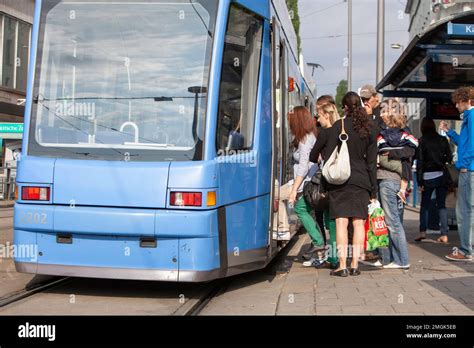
(464, 100)
(432, 175)
(303, 129)
(350, 200)
(395, 137)
(323, 103)
(370, 99)
(389, 188)
(327, 116)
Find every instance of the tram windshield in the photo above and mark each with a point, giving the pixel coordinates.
(122, 79)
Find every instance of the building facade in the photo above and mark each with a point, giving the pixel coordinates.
(425, 13)
(16, 19)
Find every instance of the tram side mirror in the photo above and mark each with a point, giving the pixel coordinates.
(236, 141)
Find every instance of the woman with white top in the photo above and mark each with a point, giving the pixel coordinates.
(303, 129)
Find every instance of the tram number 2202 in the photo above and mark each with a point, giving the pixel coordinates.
(34, 218)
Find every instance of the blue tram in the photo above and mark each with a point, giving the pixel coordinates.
(155, 132)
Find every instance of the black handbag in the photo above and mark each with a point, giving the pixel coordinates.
(312, 190)
(451, 176)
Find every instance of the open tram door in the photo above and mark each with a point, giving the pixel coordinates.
(279, 112)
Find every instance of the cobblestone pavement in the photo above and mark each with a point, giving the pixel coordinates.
(433, 286)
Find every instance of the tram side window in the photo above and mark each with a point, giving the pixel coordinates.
(239, 84)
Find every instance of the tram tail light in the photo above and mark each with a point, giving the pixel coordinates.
(35, 193)
(186, 199)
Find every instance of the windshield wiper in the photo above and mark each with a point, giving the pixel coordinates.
(202, 19)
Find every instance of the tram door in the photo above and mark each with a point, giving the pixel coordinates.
(278, 222)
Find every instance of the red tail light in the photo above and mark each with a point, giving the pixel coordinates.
(186, 199)
(35, 193)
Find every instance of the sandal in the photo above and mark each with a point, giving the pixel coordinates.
(443, 240)
(420, 238)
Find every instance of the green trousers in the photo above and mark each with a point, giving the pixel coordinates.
(331, 226)
(303, 211)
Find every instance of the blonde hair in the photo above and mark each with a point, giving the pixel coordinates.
(332, 111)
(394, 113)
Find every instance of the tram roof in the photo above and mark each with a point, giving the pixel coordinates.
(437, 61)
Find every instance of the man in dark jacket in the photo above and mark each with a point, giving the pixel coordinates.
(372, 105)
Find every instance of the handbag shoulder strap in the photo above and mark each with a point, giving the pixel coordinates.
(343, 134)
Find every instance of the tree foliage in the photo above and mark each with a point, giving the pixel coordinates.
(295, 18)
(342, 89)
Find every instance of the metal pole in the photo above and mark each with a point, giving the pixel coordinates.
(349, 49)
(380, 40)
(8, 191)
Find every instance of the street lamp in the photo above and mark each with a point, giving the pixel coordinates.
(397, 46)
(315, 66)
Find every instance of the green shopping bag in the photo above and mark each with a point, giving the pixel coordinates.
(376, 230)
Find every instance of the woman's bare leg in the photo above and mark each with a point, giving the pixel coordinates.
(342, 241)
(358, 241)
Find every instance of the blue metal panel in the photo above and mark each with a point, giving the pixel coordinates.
(264, 119)
(246, 176)
(261, 7)
(105, 251)
(197, 175)
(186, 224)
(215, 80)
(113, 184)
(108, 221)
(35, 170)
(30, 217)
(200, 254)
(247, 224)
(31, 74)
(25, 239)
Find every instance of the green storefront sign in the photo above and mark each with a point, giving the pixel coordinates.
(13, 131)
(11, 128)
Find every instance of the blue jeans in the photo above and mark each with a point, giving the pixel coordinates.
(441, 193)
(393, 208)
(464, 211)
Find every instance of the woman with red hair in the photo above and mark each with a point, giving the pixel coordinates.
(303, 129)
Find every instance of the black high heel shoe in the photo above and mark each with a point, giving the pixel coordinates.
(341, 273)
(354, 272)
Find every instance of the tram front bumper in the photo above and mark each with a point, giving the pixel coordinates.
(115, 243)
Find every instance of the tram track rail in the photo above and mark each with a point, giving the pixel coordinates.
(194, 306)
(32, 290)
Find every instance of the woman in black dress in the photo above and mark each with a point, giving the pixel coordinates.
(351, 200)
